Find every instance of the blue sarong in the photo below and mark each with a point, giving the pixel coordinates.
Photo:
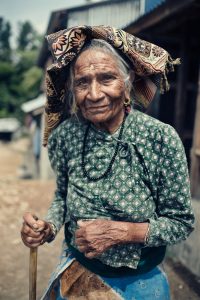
(152, 285)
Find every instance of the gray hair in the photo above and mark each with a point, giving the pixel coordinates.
(123, 66)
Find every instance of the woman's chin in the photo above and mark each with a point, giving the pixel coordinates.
(97, 117)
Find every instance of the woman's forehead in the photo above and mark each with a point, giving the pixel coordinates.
(95, 59)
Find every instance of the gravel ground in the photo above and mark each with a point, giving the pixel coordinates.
(18, 196)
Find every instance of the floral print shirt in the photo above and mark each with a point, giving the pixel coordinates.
(148, 182)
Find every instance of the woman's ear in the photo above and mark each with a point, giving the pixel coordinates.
(127, 94)
(130, 79)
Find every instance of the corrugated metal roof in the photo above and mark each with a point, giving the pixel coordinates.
(151, 4)
(113, 13)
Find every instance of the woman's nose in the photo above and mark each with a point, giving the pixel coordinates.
(95, 92)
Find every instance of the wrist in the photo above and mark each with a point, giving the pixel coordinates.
(52, 234)
(137, 233)
(146, 238)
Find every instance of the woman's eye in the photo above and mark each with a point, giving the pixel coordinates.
(108, 78)
(81, 83)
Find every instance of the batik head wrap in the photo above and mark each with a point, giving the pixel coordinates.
(149, 62)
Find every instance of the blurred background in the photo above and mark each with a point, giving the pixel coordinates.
(26, 179)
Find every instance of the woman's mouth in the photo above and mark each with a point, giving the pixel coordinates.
(98, 108)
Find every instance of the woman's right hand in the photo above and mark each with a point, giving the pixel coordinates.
(34, 232)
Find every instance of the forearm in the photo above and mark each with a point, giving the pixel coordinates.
(57, 155)
(135, 232)
(166, 231)
(57, 211)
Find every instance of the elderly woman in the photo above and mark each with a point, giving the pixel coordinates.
(122, 180)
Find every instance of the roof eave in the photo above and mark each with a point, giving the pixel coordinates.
(163, 11)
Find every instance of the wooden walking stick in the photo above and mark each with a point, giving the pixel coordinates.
(33, 273)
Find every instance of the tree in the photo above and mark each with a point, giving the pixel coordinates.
(28, 38)
(5, 34)
(20, 78)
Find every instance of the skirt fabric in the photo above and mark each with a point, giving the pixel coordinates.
(71, 281)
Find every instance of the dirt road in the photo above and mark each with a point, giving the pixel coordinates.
(18, 196)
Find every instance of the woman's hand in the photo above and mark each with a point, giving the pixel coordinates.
(94, 237)
(34, 232)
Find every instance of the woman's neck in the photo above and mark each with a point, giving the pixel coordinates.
(111, 125)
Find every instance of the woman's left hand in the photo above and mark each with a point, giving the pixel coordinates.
(96, 236)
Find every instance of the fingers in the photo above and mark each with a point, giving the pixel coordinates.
(33, 245)
(32, 221)
(42, 225)
(91, 254)
(86, 249)
(79, 233)
(34, 231)
(32, 242)
(30, 238)
(94, 237)
(82, 248)
(29, 232)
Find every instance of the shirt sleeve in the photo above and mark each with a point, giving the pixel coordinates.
(174, 217)
(57, 156)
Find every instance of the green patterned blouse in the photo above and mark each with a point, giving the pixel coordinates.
(148, 182)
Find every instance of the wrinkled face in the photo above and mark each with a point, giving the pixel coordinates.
(99, 87)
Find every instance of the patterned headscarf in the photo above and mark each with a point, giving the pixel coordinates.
(149, 62)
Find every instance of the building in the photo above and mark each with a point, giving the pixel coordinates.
(35, 165)
(113, 12)
(9, 128)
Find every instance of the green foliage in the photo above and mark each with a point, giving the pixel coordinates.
(25, 59)
(31, 80)
(20, 78)
(5, 33)
(6, 70)
(28, 38)
(7, 101)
